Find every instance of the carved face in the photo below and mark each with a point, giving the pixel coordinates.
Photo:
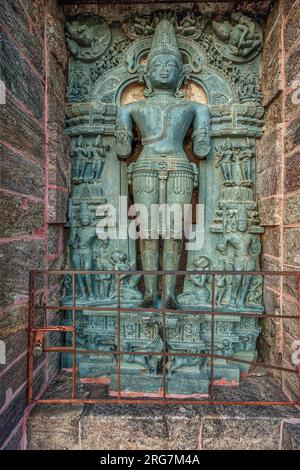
(241, 225)
(85, 219)
(164, 72)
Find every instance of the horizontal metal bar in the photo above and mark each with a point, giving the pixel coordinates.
(162, 401)
(169, 272)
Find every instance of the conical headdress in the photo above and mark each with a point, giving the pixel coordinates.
(164, 42)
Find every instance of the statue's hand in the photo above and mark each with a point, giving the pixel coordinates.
(201, 142)
(123, 142)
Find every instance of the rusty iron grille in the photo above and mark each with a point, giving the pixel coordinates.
(38, 331)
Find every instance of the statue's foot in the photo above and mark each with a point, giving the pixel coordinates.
(148, 302)
(171, 303)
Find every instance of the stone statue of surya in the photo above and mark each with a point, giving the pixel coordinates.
(162, 174)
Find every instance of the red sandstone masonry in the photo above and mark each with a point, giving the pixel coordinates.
(30, 141)
(283, 196)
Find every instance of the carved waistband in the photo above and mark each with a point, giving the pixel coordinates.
(157, 165)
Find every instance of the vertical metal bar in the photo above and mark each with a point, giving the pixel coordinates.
(119, 335)
(164, 335)
(30, 339)
(73, 338)
(212, 340)
(298, 278)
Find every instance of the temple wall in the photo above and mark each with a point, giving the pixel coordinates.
(34, 186)
(279, 185)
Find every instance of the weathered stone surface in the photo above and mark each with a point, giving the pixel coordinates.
(272, 65)
(57, 80)
(15, 343)
(269, 263)
(292, 174)
(292, 28)
(273, 117)
(11, 415)
(291, 285)
(292, 136)
(269, 149)
(292, 66)
(272, 241)
(290, 383)
(21, 216)
(58, 205)
(14, 319)
(270, 211)
(292, 210)
(126, 429)
(269, 181)
(288, 350)
(14, 442)
(21, 257)
(12, 380)
(54, 238)
(291, 435)
(14, 19)
(291, 244)
(292, 99)
(133, 427)
(240, 434)
(271, 302)
(19, 79)
(290, 325)
(27, 136)
(56, 112)
(20, 175)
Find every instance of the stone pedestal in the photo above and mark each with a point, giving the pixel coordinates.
(145, 427)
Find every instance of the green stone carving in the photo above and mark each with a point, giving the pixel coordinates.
(164, 148)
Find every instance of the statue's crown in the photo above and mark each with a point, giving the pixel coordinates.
(164, 42)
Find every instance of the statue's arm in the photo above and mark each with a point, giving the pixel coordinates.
(123, 134)
(201, 131)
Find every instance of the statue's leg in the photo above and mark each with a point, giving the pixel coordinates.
(145, 191)
(179, 192)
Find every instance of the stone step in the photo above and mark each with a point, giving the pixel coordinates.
(177, 427)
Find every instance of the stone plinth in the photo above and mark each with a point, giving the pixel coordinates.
(145, 427)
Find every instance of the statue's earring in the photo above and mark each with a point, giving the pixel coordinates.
(143, 78)
(184, 78)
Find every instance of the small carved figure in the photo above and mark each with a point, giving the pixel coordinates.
(246, 249)
(240, 35)
(87, 37)
(97, 152)
(82, 253)
(128, 282)
(249, 90)
(200, 293)
(227, 347)
(226, 157)
(80, 153)
(246, 155)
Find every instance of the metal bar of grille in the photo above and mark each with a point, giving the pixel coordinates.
(73, 337)
(119, 335)
(164, 400)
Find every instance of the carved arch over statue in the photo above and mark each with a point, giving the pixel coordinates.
(109, 87)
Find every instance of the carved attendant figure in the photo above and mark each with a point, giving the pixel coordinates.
(246, 248)
(162, 173)
(82, 254)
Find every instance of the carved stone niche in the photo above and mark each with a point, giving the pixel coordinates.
(110, 86)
